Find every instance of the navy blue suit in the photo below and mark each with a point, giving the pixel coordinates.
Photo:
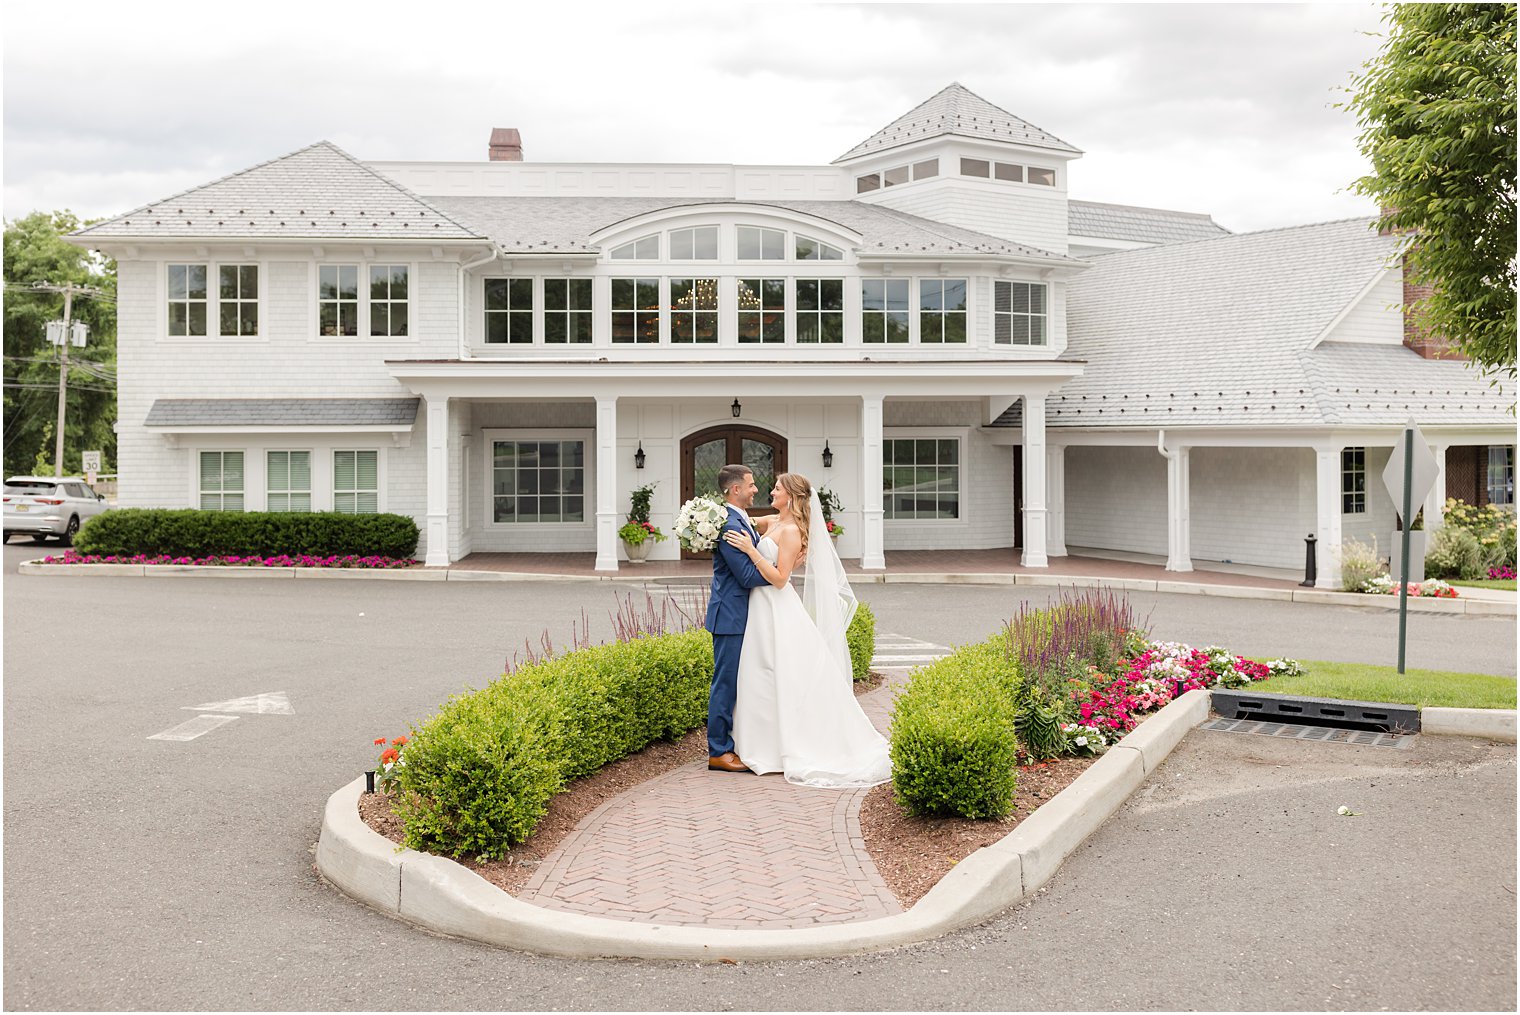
(734, 574)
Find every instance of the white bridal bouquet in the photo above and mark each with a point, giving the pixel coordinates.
(698, 524)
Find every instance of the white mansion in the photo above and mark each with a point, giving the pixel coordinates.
(929, 326)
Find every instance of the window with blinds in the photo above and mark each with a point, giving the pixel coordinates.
(356, 482)
(221, 481)
(289, 481)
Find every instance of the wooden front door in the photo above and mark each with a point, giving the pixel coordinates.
(705, 452)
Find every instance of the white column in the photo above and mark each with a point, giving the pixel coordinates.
(1034, 482)
(1055, 500)
(437, 481)
(1179, 510)
(606, 483)
(1435, 503)
(1327, 512)
(873, 535)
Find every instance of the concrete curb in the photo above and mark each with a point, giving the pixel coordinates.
(442, 896)
(1487, 723)
(1484, 607)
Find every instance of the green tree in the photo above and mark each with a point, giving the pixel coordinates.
(35, 251)
(1437, 112)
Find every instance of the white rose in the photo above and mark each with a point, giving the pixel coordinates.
(707, 529)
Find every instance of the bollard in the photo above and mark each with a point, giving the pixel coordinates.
(369, 782)
(1310, 565)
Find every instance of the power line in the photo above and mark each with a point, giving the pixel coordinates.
(53, 387)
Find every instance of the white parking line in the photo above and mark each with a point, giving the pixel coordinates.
(193, 728)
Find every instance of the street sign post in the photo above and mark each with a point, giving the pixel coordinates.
(1410, 476)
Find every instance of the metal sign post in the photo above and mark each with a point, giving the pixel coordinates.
(1410, 476)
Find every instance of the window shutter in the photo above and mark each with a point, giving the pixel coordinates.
(300, 471)
(279, 470)
(232, 472)
(343, 470)
(368, 469)
(211, 470)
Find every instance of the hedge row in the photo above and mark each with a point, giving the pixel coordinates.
(189, 533)
(476, 778)
(954, 746)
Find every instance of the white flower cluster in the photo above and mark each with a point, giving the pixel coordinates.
(698, 524)
(1284, 667)
(1084, 739)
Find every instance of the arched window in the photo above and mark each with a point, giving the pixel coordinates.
(809, 249)
(646, 248)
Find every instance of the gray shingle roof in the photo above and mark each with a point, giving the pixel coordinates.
(318, 192)
(958, 110)
(1218, 333)
(564, 224)
(179, 412)
(1142, 225)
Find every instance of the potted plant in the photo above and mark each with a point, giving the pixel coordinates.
(829, 501)
(639, 533)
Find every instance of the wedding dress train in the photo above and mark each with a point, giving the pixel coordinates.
(796, 712)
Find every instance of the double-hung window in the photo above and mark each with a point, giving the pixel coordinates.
(187, 300)
(538, 481)
(820, 310)
(1501, 474)
(636, 310)
(509, 310)
(921, 479)
(238, 299)
(567, 311)
(221, 481)
(694, 310)
(884, 310)
(1018, 313)
(762, 310)
(388, 314)
(942, 310)
(356, 482)
(1353, 481)
(338, 300)
(288, 485)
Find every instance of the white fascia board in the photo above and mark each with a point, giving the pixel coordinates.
(294, 245)
(238, 428)
(1355, 302)
(1053, 262)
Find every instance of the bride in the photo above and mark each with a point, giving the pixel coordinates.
(796, 711)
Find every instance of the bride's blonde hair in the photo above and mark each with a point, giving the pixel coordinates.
(798, 508)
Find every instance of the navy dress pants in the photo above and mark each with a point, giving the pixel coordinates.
(725, 686)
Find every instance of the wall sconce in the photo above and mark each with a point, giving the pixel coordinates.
(638, 456)
(828, 456)
(736, 407)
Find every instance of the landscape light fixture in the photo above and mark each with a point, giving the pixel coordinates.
(638, 456)
(736, 407)
(828, 456)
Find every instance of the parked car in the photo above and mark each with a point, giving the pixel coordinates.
(43, 506)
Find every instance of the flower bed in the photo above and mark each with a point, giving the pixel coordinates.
(283, 560)
(1430, 588)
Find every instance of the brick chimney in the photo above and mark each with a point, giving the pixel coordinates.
(1427, 345)
(506, 145)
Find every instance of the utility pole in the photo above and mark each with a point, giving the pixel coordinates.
(68, 290)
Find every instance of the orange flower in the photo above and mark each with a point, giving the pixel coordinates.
(379, 741)
(399, 741)
(389, 755)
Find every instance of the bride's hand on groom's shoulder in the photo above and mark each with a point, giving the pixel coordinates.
(739, 541)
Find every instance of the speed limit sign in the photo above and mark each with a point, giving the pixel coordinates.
(91, 463)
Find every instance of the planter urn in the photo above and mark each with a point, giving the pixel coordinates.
(637, 554)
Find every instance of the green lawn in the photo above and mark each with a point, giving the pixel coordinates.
(1425, 688)
(1487, 583)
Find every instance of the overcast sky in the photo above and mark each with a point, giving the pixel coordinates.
(1224, 109)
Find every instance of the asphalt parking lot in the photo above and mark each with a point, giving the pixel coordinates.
(156, 874)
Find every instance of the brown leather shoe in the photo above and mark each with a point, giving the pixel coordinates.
(728, 762)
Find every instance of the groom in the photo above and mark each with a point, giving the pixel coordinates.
(734, 574)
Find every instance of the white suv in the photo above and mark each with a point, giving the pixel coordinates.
(42, 506)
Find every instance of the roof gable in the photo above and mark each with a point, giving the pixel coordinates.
(958, 110)
(319, 191)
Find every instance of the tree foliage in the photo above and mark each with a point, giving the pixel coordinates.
(35, 251)
(1437, 112)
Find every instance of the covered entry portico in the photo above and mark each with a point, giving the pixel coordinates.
(625, 406)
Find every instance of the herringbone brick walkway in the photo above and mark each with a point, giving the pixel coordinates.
(721, 850)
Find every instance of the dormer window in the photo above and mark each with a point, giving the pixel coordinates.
(1043, 177)
(976, 167)
(925, 169)
(697, 244)
(867, 183)
(1008, 172)
(809, 249)
(895, 177)
(645, 249)
(757, 244)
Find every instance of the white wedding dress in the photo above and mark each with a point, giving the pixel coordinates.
(795, 711)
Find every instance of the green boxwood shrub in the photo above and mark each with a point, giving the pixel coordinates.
(954, 746)
(192, 533)
(861, 636)
(477, 777)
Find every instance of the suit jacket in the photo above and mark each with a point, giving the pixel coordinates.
(734, 574)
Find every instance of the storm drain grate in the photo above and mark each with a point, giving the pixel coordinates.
(1324, 734)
